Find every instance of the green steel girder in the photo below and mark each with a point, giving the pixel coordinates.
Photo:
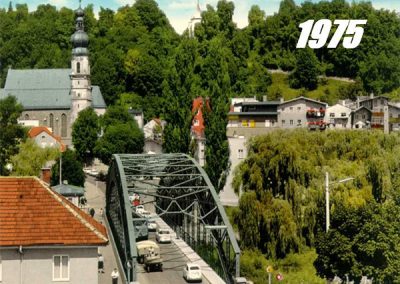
(182, 195)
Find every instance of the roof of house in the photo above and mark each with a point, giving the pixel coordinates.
(267, 103)
(44, 89)
(362, 107)
(69, 190)
(304, 98)
(31, 214)
(36, 130)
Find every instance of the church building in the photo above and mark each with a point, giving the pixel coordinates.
(54, 97)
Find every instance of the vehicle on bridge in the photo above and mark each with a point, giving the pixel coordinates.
(153, 261)
(140, 227)
(192, 272)
(143, 248)
(163, 236)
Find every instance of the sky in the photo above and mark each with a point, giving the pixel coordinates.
(179, 12)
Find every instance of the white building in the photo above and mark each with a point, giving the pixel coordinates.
(194, 20)
(338, 116)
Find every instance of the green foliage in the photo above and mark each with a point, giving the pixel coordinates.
(11, 133)
(306, 71)
(85, 131)
(119, 139)
(364, 241)
(116, 115)
(72, 170)
(31, 158)
(281, 209)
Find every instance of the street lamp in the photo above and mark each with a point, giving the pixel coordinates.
(328, 220)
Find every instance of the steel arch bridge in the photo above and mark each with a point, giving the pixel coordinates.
(183, 197)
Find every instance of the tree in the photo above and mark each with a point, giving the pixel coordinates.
(306, 72)
(119, 138)
(117, 114)
(85, 131)
(11, 133)
(31, 158)
(72, 170)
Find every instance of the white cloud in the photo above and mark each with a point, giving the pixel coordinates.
(182, 5)
(125, 2)
(58, 3)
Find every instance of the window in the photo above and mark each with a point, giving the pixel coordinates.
(63, 125)
(51, 121)
(332, 114)
(343, 114)
(240, 153)
(363, 116)
(283, 121)
(196, 122)
(291, 108)
(61, 267)
(26, 116)
(299, 108)
(78, 67)
(299, 122)
(375, 103)
(291, 122)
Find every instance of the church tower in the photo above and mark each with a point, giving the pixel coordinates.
(196, 19)
(81, 87)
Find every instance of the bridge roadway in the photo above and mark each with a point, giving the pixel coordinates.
(173, 259)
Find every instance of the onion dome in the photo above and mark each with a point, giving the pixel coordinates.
(80, 39)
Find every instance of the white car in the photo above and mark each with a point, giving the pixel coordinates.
(163, 236)
(192, 272)
(151, 225)
(139, 209)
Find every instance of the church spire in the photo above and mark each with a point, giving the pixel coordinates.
(80, 39)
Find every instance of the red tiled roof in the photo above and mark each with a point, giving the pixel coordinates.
(197, 111)
(35, 131)
(31, 214)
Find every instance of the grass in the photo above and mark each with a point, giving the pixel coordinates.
(295, 268)
(327, 92)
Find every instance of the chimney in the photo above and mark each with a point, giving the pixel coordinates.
(281, 99)
(371, 96)
(45, 175)
(264, 98)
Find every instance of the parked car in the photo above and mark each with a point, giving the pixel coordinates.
(192, 272)
(163, 236)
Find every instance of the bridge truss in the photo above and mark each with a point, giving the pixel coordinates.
(183, 197)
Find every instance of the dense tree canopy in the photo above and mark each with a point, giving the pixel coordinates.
(71, 171)
(282, 207)
(85, 131)
(11, 133)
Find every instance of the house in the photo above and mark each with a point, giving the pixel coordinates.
(54, 97)
(197, 130)
(44, 238)
(247, 118)
(302, 112)
(338, 116)
(45, 138)
(361, 117)
(71, 192)
(153, 136)
(138, 116)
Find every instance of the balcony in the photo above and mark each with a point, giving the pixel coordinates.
(315, 113)
(314, 125)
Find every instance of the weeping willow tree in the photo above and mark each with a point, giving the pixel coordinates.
(282, 206)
